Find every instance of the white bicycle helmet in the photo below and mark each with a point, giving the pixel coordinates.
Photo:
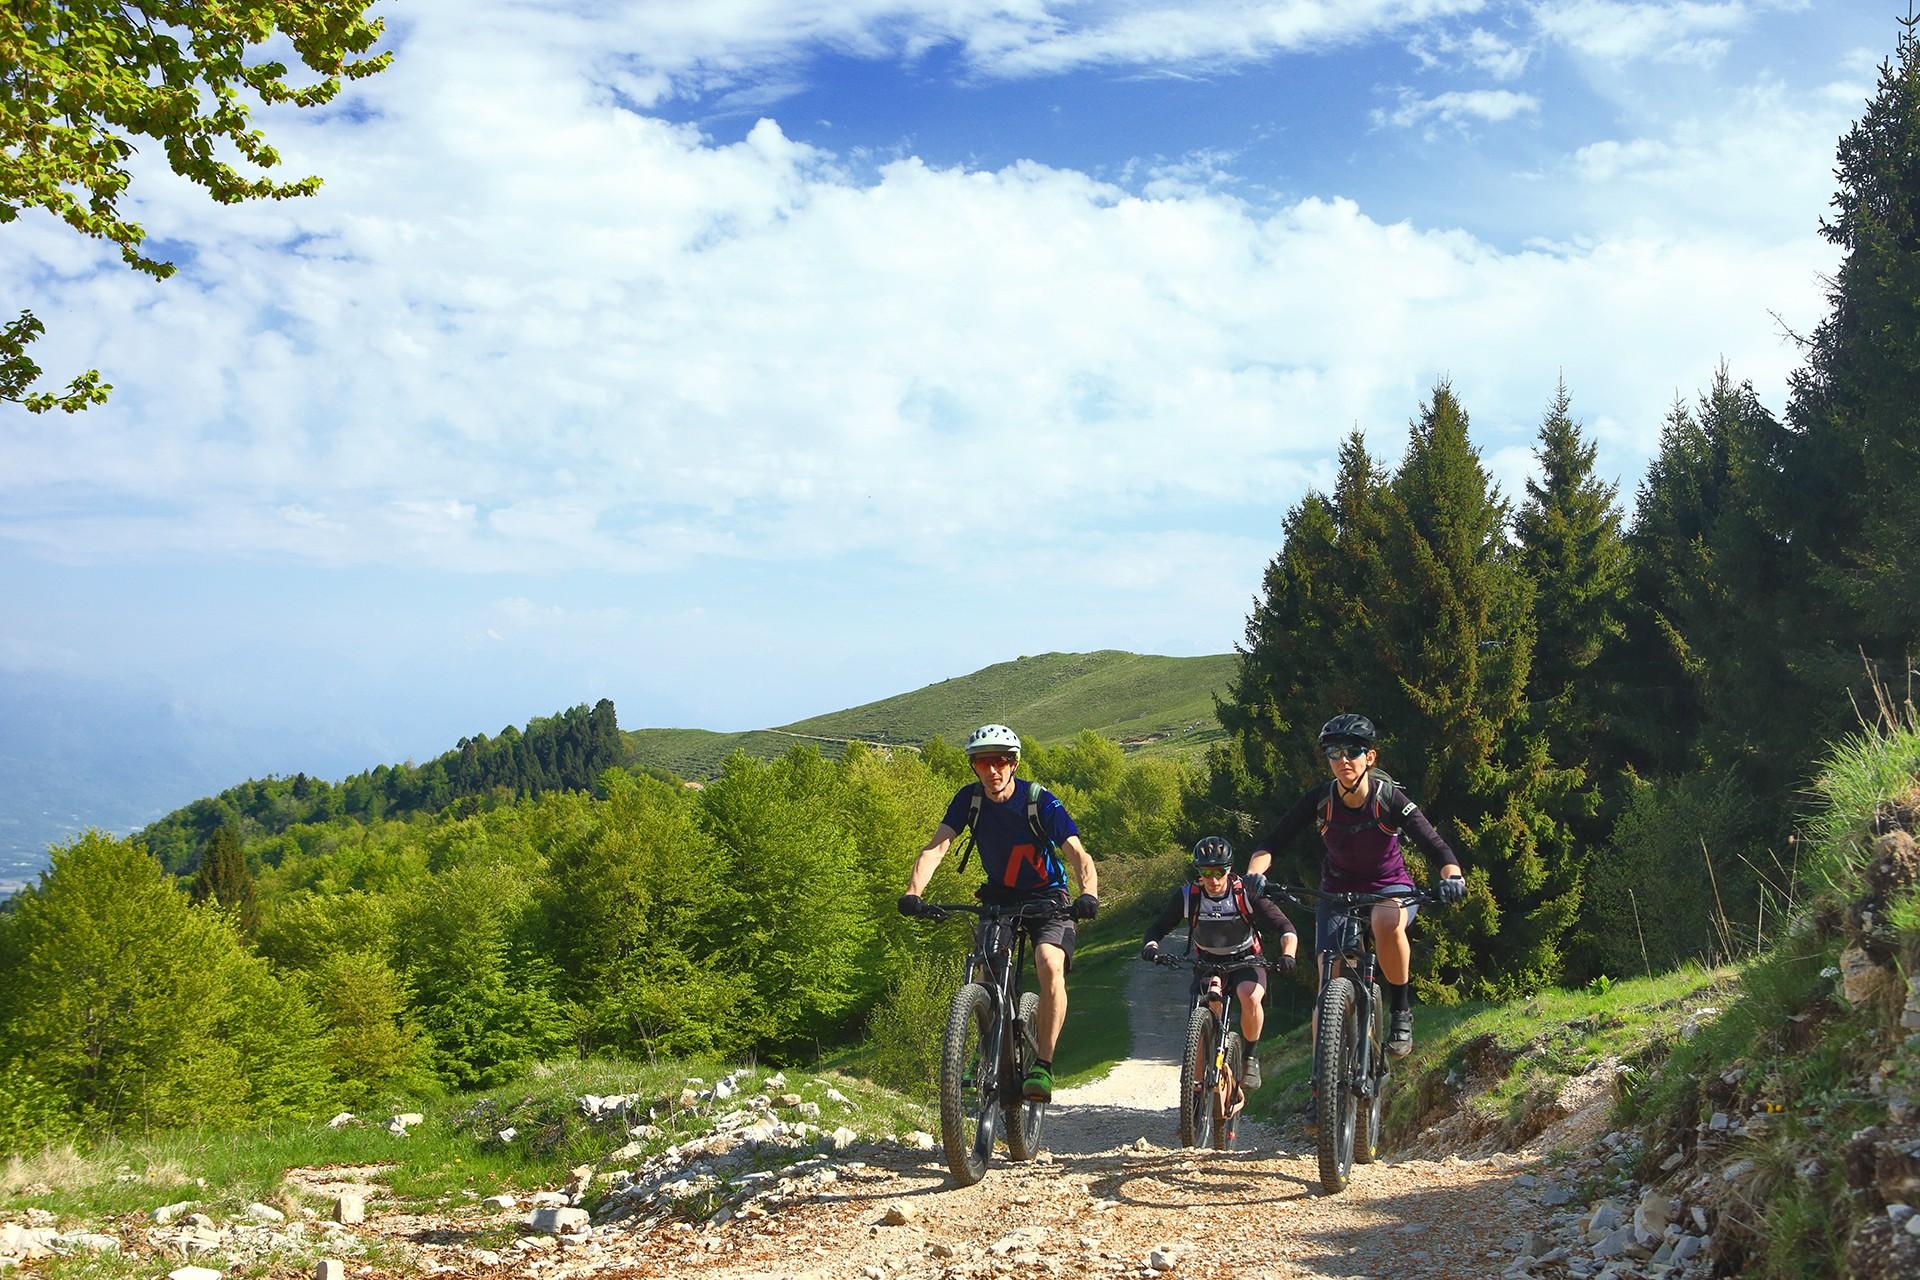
(992, 739)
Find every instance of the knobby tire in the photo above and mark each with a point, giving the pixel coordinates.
(1334, 1100)
(1196, 1104)
(1366, 1125)
(969, 1020)
(1021, 1119)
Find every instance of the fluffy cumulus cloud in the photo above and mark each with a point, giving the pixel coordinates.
(527, 324)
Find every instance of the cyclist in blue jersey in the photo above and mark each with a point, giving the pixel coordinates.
(1021, 830)
(1362, 813)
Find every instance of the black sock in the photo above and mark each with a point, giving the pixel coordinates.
(1250, 1047)
(1399, 996)
(1045, 1063)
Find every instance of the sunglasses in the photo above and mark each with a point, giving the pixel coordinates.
(996, 762)
(1345, 752)
(1210, 873)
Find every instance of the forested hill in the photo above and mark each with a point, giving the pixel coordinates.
(565, 752)
(1143, 701)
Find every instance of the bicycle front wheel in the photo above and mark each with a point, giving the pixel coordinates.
(1366, 1130)
(1196, 1099)
(968, 1084)
(1336, 1104)
(1022, 1118)
(1225, 1117)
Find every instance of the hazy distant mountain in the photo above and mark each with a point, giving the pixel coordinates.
(76, 754)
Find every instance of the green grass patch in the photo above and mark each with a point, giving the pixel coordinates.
(1514, 1054)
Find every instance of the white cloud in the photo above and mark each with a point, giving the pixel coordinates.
(723, 45)
(524, 326)
(1456, 109)
(1483, 50)
(1683, 31)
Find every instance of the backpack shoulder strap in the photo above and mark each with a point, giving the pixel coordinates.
(1245, 908)
(1039, 828)
(975, 794)
(1192, 898)
(1383, 810)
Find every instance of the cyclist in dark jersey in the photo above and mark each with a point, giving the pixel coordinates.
(1021, 830)
(1222, 917)
(1362, 814)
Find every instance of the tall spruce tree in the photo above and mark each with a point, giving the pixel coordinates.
(1569, 541)
(1454, 638)
(1318, 595)
(1400, 598)
(1855, 404)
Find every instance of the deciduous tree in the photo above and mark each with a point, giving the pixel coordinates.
(82, 82)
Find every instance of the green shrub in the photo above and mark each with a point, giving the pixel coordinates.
(33, 1115)
(903, 1033)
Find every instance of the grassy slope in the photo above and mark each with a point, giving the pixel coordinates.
(1161, 704)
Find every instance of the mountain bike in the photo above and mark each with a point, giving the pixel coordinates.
(1350, 1072)
(1210, 1095)
(989, 1041)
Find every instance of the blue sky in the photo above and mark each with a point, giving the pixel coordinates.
(744, 360)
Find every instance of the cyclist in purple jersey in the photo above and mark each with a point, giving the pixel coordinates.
(1361, 814)
(1021, 830)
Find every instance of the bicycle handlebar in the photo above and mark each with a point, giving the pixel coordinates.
(937, 911)
(1214, 966)
(1418, 898)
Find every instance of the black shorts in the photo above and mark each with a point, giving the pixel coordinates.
(1252, 973)
(1061, 933)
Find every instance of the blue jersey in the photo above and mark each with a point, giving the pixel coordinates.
(1010, 853)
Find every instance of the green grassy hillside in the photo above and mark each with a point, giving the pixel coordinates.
(1146, 702)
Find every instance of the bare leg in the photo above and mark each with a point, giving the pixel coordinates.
(1253, 1014)
(1390, 942)
(1050, 967)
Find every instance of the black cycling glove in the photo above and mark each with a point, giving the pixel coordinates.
(1086, 907)
(1255, 883)
(1284, 963)
(909, 904)
(1151, 951)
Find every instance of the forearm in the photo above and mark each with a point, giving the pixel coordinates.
(1083, 866)
(925, 865)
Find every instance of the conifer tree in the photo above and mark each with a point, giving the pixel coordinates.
(1855, 404)
(1456, 637)
(1319, 595)
(1569, 541)
(225, 878)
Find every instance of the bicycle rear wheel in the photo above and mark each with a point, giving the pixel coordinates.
(967, 1085)
(1333, 1070)
(1196, 1104)
(1023, 1119)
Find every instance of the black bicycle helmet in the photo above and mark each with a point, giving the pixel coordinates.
(1212, 851)
(1348, 727)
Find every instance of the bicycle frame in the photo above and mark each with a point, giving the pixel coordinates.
(981, 1084)
(996, 964)
(1220, 1080)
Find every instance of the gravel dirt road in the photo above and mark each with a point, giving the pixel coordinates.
(1114, 1195)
